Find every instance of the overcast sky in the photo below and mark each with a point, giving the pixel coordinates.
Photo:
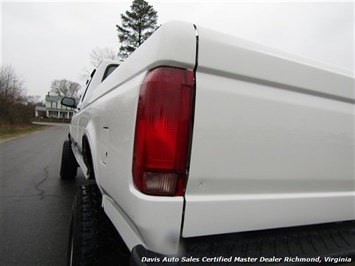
(48, 40)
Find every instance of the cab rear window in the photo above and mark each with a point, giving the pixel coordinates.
(108, 71)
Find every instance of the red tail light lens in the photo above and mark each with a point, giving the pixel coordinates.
(163, 130)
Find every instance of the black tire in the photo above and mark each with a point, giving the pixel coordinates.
(69, 166)
(93, 238)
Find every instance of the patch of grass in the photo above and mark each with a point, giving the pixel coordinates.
(15, 131)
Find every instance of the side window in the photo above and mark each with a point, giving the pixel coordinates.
(108, 71)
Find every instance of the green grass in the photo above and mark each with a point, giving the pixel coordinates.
(15, 131)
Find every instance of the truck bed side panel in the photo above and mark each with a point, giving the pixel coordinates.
(273, 142)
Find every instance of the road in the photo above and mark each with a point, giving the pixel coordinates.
(35, 203)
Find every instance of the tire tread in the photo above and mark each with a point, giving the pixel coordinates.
(96, 240)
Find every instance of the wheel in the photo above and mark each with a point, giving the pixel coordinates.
(93, 238)
(69, 165)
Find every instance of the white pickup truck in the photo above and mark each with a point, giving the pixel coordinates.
(205, 148)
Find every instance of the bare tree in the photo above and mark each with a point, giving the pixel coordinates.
(12, 98)
(85, 74)
(65, 88)
(35, 99)
(98, 55)
(11, 87)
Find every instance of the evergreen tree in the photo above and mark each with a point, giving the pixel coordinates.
(137, 25)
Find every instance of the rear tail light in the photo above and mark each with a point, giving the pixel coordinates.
(163, 131)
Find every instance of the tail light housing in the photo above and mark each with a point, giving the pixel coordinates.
(163, 132)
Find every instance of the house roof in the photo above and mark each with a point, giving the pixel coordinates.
(41, 108)
(56, 98)
(53, 98)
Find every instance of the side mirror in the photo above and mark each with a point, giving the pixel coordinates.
(69, 102)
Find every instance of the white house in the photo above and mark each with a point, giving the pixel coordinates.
(54, 109)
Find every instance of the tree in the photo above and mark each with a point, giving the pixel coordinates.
(98, 55)
(35, 100)
(137, 25)
(11, 87)
(16, 108)
(13, 100)
(65, 88)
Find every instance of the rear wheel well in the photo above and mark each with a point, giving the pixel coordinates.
(87, 156)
